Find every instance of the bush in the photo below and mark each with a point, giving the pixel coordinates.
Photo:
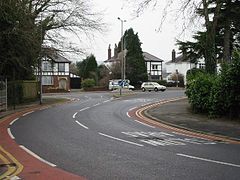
(216, 95)
(88, 83)
(198, 91)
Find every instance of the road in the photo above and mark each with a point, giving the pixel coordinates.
(95, 137)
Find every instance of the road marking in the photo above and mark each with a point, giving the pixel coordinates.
(209, 160)
(144, 124)
(132, 108)
(96, 104)
(129, 142)
(84, 109)
(13, 121)
(106, 101)
(10, 133)
(81, 125)
(27, 113)
(128, 115)
(36, 156)
(74, 115)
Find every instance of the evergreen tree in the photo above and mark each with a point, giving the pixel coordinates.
(88, 67)
(135, 65)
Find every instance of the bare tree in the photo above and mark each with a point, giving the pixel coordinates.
(59, 19)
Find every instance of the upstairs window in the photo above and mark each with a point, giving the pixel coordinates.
(61, 67)
(154, 67)
(46, 66)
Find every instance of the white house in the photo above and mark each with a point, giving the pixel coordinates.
(180, 65)
(55, 71)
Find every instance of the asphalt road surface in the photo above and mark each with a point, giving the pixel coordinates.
(95, 137)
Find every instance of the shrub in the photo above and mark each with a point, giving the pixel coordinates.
(198, 91)
(88, 83)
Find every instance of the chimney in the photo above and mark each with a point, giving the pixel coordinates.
(115, 51)
(173, 55)
(109, 52)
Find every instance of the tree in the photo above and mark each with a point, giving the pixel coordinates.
(88, 67)
(26, 25)
(135, 65)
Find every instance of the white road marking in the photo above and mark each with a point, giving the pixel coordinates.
(74, 115)
(13, 121)
(128, 115)
(27, 113)
(84, 109)
(144, 124)
(129, 142)
(36, 156)
(10, 133)
(209, 160)
(96, 104)
(81, 125)
(106, 101)
(132, 108)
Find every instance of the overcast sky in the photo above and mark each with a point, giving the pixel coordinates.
(159, 44)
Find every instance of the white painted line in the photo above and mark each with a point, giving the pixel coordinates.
(10, 133)
(128, 115)
(84, 109)
(96, 104)
(209, 160)
(81, 124)
(129, 142)
(74, 115)
(106, 101)
(132, 108)
(27, 113)
(36, 156)
(43, 108)
(13, 121)
(144, 124)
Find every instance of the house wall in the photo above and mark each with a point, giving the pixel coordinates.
(154, 72)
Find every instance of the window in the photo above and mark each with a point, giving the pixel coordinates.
(201, 66)
(154, 67)
(47, 80)
(46, 66)
(61, 67)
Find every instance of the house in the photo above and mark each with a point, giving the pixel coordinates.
(180, 65)
(55, 71)
(153, 63)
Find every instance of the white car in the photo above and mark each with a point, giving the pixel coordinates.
(152, 86)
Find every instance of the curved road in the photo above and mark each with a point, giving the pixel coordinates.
(96, 138)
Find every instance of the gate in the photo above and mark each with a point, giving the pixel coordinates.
(3, 94)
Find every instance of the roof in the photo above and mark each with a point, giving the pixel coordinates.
(149, 57)
(178, 59)
(55, 56)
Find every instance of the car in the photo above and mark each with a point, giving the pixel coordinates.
(116, 84)
(152, 86)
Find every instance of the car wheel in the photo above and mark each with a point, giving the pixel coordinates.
(155, 89)
(143, 89)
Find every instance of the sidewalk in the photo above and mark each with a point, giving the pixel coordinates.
(179, 114)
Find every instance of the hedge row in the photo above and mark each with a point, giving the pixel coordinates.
(216, 95)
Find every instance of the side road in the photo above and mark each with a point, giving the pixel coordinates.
(178, 113)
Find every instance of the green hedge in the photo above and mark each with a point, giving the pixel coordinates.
(217, 95)
(88, 83)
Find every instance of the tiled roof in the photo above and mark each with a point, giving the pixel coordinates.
(150, 57)
(55, 56)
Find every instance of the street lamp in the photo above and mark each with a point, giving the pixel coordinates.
(123, 55)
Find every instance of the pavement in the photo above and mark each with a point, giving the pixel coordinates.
(174, 113)
(179, 114)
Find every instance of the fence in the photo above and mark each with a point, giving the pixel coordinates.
(3, 94)
(22, 91)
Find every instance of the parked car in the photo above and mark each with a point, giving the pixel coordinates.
(149, 86)
(116, 84)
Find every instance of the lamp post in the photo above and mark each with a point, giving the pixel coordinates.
(123, 73)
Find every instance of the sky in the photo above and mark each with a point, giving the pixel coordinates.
(159, 44)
